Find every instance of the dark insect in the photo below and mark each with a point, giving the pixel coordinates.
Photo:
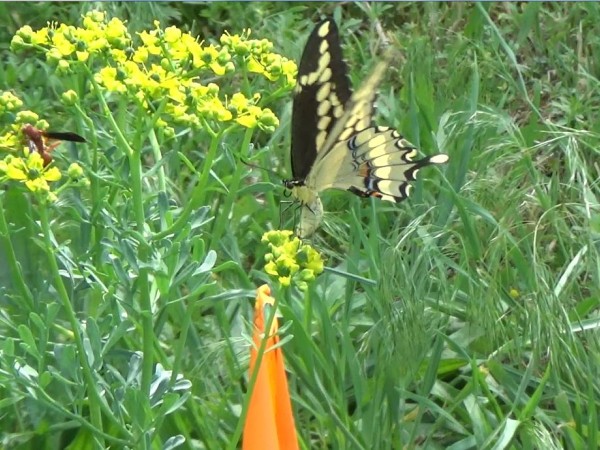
(37, 140)
(334, 141)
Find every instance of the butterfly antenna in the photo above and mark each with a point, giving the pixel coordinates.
(286, 193)
(254, 166)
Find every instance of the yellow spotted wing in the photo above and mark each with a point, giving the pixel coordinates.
(334, 141)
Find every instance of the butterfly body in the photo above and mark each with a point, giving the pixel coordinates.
(334, 141)
(311, 216)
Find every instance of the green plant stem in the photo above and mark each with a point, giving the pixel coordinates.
(308, 311)
(143, 282)
(143, 252)
(225, 211)
(91, 157)
(200, 192)
(157, 155)
(198, 197)
(11, 259)
(95, 398)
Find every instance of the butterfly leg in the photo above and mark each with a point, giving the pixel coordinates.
(282, 211)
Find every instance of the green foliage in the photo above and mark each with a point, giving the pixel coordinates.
(465, 317)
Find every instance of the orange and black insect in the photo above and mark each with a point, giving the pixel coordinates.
(44, 142)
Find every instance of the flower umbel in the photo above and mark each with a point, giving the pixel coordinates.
(291, 261)
(166, 66)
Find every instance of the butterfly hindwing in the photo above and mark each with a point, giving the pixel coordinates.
(381, 163)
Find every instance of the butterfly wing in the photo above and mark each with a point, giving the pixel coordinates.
(356, 116)
(377, 162)
(367, 160)
(334, 141)
(64, 136)
(322, 91)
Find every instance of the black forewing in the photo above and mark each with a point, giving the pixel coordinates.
(64, 136)
(322, 90)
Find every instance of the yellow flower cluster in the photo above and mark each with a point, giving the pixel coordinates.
(30, 170)
(167, 66)
(9, 102)
(290, 261)
(11, 136)
(259, 57)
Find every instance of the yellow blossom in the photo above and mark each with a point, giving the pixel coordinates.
(140, 55)
(212, 108)
(289, 69)
(94, 17)
(25, 33)
(239, 44)
(285, 281)
(53, 55)
(172, 34)
(151, 42)
(267, 120)
(62, 44)
(276, 237)
(10, 140)
(117, 34)
(289, 261)
(98, 44)
(118, 55)
(31, 171)
(255, 66)
(40, 37)
(82, 56)
(63, 67)
(28, 117)
(107, 76)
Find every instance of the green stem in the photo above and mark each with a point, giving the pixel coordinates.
(308, 313)
(138, 205)
(95, 398)
(200, 192)
(225, 211)
(157, 155)
(91, 157)
(11, 258)
(198, 197)
(143, 272)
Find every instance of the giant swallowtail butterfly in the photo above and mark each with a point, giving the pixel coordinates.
(334, 141)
